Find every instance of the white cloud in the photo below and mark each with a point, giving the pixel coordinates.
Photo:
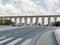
(29, 7)
(26, 7)
(8, 10)
(0, 1)
(57, 12)
(50, 4)
(1, 7)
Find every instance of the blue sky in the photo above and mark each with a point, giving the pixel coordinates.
(5, 1)
(40, 3)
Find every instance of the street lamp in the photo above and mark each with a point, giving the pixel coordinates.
(17, 6)
(17, 3)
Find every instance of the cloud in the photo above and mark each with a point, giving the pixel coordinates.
(1, 8)
(26, 7)
(29, 7)
(8, 10)
(50, 3)
(57, 12)
(1, 1)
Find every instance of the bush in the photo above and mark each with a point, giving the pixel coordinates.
(38, 24)
(1, 21)
(8, 22)
(56, 24)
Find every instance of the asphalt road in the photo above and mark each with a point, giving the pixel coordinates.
(21, 35)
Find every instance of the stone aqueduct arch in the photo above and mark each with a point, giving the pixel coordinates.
(31, 18)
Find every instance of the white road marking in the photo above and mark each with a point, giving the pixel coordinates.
(3, 41)
(15, 41)
(26, 42)
(2, 37)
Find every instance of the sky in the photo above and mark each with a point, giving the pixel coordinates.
(29, 7)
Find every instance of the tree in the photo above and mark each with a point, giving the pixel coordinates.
(1, 21)
(56, 24)
(8, 22)
(39, 24)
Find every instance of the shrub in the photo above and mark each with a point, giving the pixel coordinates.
(56, 24)
(1, 21)
(8, 22)
(38, 24)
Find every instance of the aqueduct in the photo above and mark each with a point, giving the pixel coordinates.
(31, 18)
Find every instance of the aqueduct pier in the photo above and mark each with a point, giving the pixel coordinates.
(31, 18)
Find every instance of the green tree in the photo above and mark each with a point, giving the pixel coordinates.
(39, 24)
(1, 21)
(56, 24)
(8, 22)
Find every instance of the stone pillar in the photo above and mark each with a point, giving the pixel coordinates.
(20, 21)
(48, 21)
(3, 20)
(31, 21)
(15, 19)
(42, 21)
(36, 20)
(55, 19)
(10, 19)
(25, 20)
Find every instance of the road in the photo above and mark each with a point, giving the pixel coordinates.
(20, 36)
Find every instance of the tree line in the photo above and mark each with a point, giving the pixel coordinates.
(5, 22)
